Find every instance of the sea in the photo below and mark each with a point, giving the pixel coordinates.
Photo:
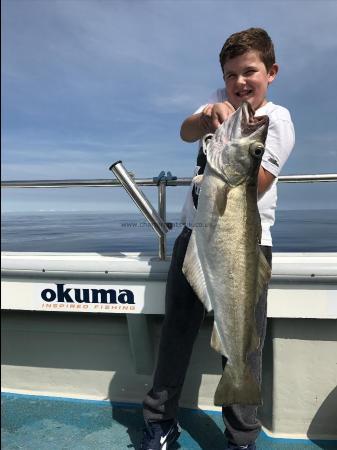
(105, 232)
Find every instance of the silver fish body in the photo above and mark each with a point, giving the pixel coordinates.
(224, 263)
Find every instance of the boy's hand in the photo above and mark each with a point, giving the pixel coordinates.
(213, 115)
(205, 119)
(219, 113)
(210, 118)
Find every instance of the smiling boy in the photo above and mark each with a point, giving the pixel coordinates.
(248, 64)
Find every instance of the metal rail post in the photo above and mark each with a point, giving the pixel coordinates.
(162, 214)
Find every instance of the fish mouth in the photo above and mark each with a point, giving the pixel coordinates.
(253, 125)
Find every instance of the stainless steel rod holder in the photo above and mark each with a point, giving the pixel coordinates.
(139, 198)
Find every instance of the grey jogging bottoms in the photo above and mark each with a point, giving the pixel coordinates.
(183, 317)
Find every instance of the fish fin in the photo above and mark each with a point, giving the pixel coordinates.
(263, 276)
(194, 274)
(215, 339)
(255, 341)
(264, 273)
(234, 391)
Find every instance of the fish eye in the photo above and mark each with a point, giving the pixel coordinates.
(256, 149)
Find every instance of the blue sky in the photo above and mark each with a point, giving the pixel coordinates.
(89, 82)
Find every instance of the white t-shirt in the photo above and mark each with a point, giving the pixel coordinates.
(279, 144)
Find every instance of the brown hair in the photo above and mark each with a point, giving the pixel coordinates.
(251, 39)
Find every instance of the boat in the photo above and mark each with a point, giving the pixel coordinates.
(85, 327)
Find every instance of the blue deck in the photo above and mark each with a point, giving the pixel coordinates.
(41, 423)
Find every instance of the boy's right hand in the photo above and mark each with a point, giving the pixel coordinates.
(213, 115)
(210, 118)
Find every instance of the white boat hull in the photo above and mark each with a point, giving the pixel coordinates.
(105, 352)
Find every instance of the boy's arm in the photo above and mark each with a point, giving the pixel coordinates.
(264, 180)
(279, 144)
(207, 121)
(194, 127)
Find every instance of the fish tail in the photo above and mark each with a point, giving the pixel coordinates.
(234, 390)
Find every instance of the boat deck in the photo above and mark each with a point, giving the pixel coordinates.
(32, 422)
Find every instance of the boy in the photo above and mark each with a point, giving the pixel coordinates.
(247, 60)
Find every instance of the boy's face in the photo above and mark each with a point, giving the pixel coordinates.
(247, 79)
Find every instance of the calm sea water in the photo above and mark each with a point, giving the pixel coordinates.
(294, 231)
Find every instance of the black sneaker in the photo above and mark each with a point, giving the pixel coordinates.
(159, 435)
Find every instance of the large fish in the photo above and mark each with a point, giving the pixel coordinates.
(224, 263)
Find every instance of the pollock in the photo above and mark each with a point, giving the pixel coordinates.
(224, 263)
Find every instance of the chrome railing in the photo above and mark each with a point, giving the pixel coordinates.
(131, 184)
(326, 177)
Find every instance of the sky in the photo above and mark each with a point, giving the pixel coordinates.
(88, 82)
